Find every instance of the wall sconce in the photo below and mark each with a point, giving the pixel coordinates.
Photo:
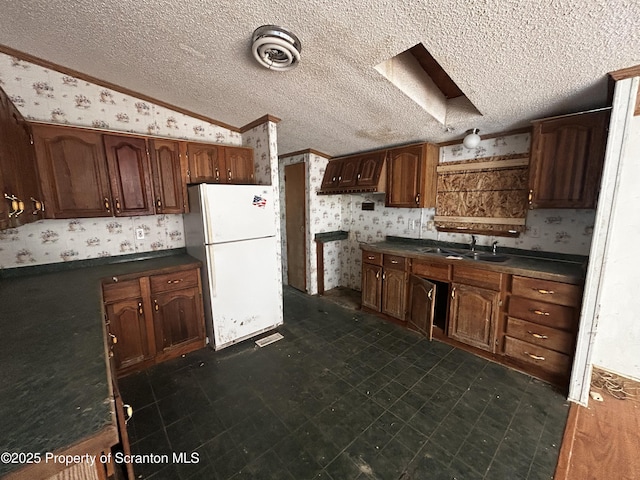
(472, 140)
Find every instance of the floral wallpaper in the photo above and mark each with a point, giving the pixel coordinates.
(46, 95)
(561, 231)
(51, 241)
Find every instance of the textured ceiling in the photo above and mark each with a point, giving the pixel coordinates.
(514, 60)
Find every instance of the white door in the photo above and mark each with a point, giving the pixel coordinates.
(244, 289)
(238, 212)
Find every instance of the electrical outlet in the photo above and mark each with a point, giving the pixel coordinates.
(139, 233)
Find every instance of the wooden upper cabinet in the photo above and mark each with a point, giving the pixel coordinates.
(331, 174)
(349, 171)
(239, 165)
(130, 175)
(370, 169)
(20, 197)
(167, 177)
(206, 163)
(73, 172)
(567, 159)
(411, 176)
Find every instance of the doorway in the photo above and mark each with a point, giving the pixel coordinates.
(296, 221)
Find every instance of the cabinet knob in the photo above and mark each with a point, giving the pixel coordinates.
(128, 410)
(453, 292)
(384, 276)
(155, 305)
(417, 199)
(117, 205)
(114, 339)
(159, 203)
(140, 311)
(229, 174)
(430, 294)
(217, 175)
(107, 206)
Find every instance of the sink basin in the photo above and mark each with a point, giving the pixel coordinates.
(487, 256)
(439, 251)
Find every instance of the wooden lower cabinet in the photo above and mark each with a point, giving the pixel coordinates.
(176, 318)
(151, 318)
(422, 302)
(372, 286)
(473, 314)
(394, 293)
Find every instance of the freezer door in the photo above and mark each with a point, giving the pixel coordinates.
(238, 212)
(245, 289)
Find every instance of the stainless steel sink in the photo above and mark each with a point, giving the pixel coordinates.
(487, 256)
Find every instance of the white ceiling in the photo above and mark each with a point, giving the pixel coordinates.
(515, 60)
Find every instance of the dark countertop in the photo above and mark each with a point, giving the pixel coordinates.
(54, 385)
(325, 237)
(543, 265)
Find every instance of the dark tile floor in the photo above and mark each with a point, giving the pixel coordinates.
(345, 395)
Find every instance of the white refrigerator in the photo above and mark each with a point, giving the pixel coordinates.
(231, 229)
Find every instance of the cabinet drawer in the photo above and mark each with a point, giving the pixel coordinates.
(374, 258)
(547, 337)
(553, 362)
(477, 277)
(547, 291)
(433, 270)
(556, 316)
(395, 261)
(113, 292)
(173, 281)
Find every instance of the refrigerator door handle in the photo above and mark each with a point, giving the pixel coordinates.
(212, 270)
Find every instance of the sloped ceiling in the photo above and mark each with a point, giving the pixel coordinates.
(514, 60)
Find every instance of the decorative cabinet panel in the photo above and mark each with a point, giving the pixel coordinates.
(411, 176)
(567, 156)
(220, 164)
(372, 286)
(20, 197)
(73, 172)
(473, 315)
(153, 317)
(331, 176)
(130, 175)
(167, 178)
(394, 292)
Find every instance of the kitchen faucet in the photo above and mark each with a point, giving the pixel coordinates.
(472, 245)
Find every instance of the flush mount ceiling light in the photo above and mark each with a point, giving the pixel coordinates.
(472, 140)
(275, 48)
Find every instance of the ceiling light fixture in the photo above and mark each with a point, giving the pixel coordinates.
(472, 140)
(275, 48)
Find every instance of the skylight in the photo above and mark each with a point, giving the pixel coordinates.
(419, 76)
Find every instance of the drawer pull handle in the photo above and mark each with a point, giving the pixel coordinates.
(537, 335)
(107, 207)
(117, 205)
(371, 257)
(535, 357)
(171, 282)
(540, 312)
(542, 291)
(394, 261)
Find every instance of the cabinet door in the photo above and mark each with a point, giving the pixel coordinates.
(130, 175)
(177, 318)
(404, 177)
(370, 168)
(239, 165)
(394, 289)
(206, 163)
(331, 174)
(73, 172)
(472, 315)
(129, 339)
(422, 303)
(167, 180)
(566, 161)
(371, 286)
(348, 172)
